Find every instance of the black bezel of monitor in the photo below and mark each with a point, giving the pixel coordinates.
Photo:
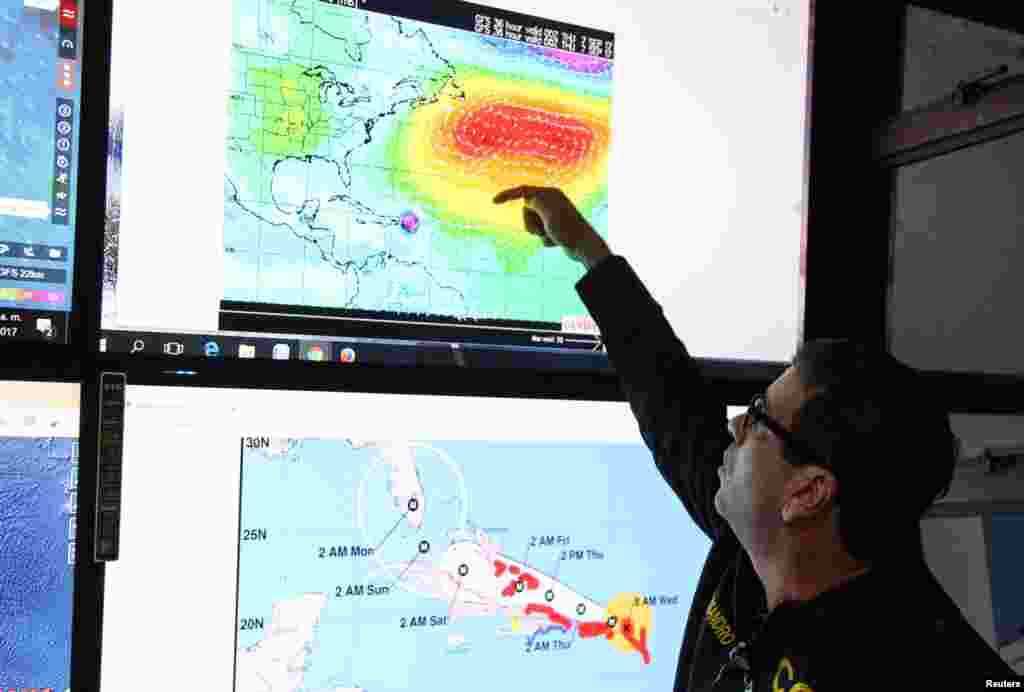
(92, 188)
(736, 380)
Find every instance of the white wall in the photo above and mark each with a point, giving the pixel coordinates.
(972, 482)
(955, 296)
(956, 287)
(954, 548)
(941, 48)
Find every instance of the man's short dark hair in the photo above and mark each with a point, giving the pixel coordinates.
(891, 446)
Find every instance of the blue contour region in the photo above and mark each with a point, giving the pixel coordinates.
(28, 101)
(544, 631)
(36, 582)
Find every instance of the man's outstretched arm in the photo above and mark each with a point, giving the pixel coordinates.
(681, 421)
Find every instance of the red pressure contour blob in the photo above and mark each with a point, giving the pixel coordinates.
(501, 130)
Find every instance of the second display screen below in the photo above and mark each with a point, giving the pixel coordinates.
(315, 541)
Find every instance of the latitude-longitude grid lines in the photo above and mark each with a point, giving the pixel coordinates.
(469, 265)
(265, 198)
(306, 257)
(305, 246)
(261, 33)
(308, 263)
(308, 185)
(258, 194)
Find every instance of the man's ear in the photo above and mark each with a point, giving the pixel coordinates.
(809, 492)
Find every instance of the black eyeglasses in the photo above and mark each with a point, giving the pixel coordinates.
(758, 412)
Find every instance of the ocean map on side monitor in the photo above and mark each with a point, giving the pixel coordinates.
(40, 76)
(39, 460)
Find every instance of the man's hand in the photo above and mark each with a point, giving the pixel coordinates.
(551, 216)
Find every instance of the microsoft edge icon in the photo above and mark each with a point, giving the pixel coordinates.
(211, 349)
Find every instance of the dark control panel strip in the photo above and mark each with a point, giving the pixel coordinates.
(108, 466)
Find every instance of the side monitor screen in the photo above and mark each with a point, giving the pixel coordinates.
(359, 542)
(38, 509)
(322, 172)
(40, 76)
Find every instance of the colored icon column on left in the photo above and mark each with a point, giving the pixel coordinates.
(62, 163)
(68, 49)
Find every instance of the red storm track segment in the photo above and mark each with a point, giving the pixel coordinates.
(552, 614)
(638, 643)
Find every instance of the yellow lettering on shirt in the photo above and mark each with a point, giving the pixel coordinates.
(788, 683)
(718, 623)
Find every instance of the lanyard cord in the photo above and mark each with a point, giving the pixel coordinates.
(739, 660)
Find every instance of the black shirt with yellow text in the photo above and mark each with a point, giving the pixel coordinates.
(892, 625)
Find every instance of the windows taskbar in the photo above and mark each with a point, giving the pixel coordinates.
(19, 324)
(352, 351)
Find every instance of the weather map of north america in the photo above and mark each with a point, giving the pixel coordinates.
(388, 565)
(364, 151)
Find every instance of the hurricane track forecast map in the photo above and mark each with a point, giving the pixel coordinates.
(364, 151)
(392, 565)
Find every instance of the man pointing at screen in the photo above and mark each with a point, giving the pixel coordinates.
(812, 498)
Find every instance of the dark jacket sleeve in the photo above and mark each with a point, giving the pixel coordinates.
(680, 418)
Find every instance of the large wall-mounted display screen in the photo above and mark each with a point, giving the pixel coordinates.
(286, 540)
(40, 97)
(322, 172)
(38, 517)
